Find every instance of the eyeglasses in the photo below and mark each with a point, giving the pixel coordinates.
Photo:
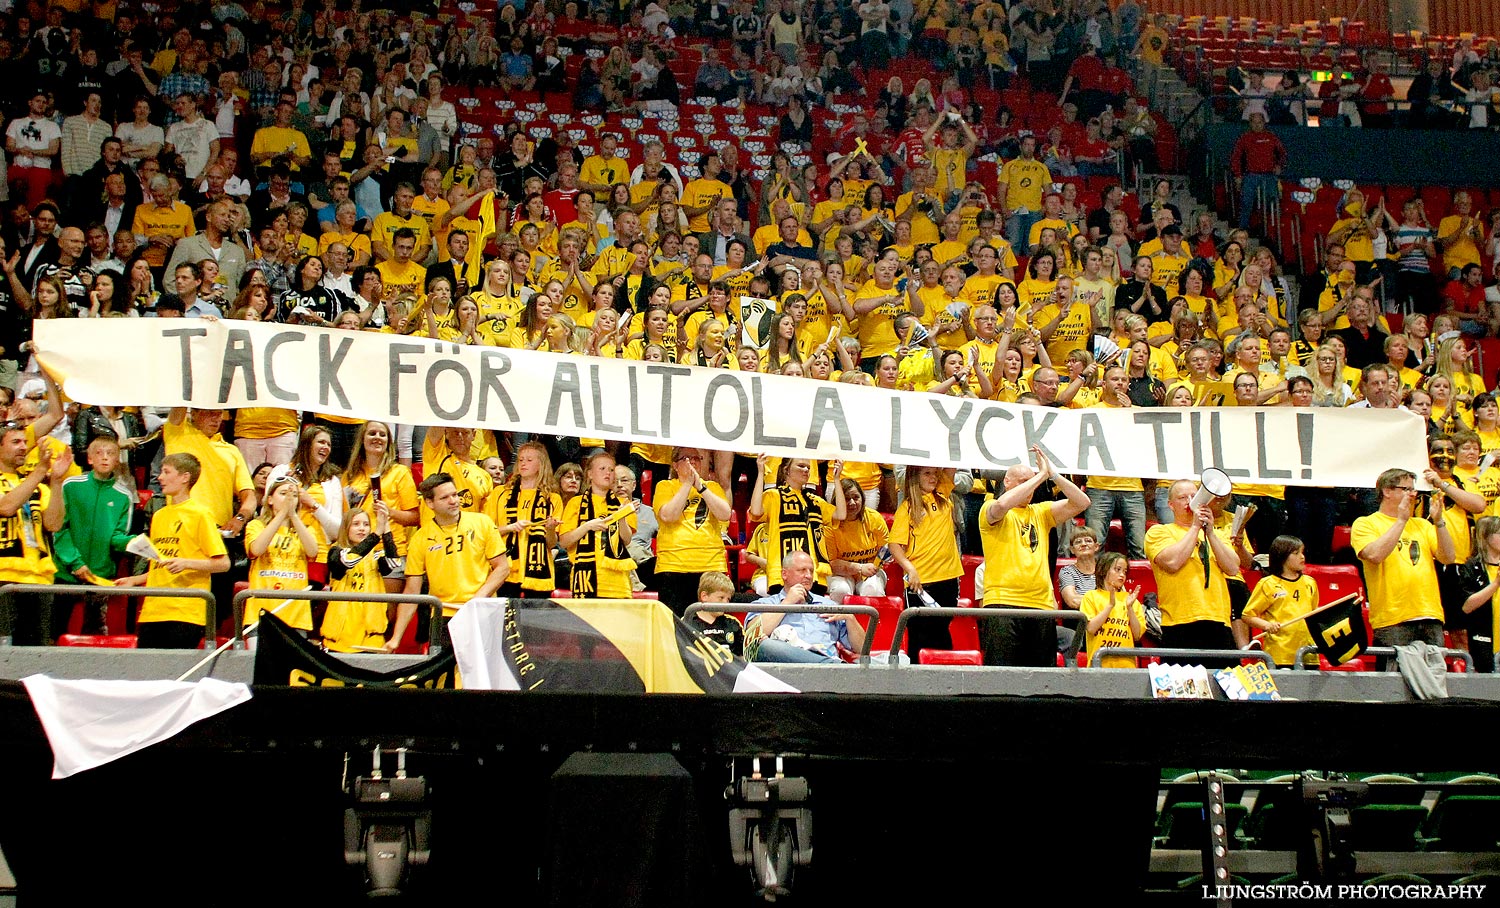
(694, 458)
(1406, 489)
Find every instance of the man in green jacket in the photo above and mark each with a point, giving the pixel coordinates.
(96, 525)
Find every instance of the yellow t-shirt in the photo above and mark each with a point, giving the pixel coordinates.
(282, 567)
(471, 480)
(932, 545)
(1017, 572)
(695, 543)
(1404, 586)
(347, 625)
(1024, 182)
(402, 279)
(877, 328)
(1281, 600)
(1115, 632)
(1165, 268)
(923, 229)
(224, 473)
(454, 559)
(602, 171)
(950, 164)
(857, 540)
(1185, 597)
(388, 222)
(1462, 251)
(531, 563)
(185, 530)
(265, 422)
(1072, 333)
(430, 210)
(700, 193)
(397, 490)
(357, 242)
(612, 574)
(278, 139)
(175, 222)
(25, 546)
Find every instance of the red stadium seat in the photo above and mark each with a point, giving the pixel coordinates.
(105, 641)
(562, 594)
(889, 608)
(965, 631)
(950, 657)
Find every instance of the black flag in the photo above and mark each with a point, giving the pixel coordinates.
(1339, 631)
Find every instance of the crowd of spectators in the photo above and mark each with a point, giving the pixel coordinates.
(310, 166)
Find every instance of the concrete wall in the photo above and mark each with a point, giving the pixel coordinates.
(941, 681)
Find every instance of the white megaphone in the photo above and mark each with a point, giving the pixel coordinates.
(1212, 484)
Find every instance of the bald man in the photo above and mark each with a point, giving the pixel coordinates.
(1017, 571)
(72, 246)
(1190, 559)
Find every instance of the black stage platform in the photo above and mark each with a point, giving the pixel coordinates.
(931, 798)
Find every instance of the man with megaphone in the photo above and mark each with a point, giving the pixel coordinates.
(1190, 559)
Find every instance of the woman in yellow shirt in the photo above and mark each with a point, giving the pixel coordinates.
(958, 376)
(1227, 269)
(280, 546)
(854, 548)
(374, 475)
(924, 542)
(321, 497)
(1037, 289)
(526, 508)
(711, 348)
(734, 271)
(1455, 360)
(691, 512)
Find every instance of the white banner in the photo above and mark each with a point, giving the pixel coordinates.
(189, 362)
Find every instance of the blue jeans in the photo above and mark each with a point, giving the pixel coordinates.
(1131, 506)
(1018, 229)
(1164, 510)
(777, 651)
(1256, 186)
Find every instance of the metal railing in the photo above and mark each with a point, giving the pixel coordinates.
(1034, 614)
(1164, 652)
(867, 611)
(434, 626)
(1304, 652)
(210, 622)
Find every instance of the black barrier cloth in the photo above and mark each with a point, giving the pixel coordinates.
(284, 659)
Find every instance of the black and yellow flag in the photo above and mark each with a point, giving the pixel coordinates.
(1338, 630)
(606, 645)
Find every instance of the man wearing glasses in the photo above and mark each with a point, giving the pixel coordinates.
(1397, 547)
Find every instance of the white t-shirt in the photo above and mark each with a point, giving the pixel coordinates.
(33, 134)
(194, 141)
(131, 134)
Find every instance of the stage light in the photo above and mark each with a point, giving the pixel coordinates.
(388, 827)
(1327, 854)
(770, 828)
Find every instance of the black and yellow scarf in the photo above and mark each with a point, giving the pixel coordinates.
(587, 554)
(799, 525)
(535, 557)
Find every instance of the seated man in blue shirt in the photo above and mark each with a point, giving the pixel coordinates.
(820, 632)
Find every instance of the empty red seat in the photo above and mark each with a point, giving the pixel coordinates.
(950, 657)
(889, 608)
(105, 641)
